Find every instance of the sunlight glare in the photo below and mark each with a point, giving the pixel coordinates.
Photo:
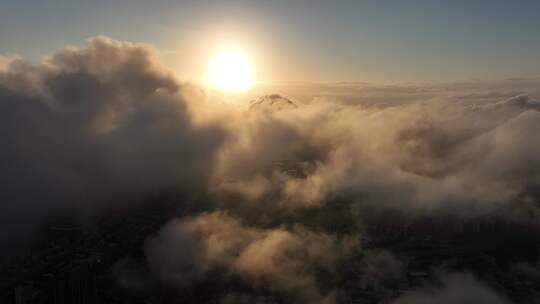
(230, 70)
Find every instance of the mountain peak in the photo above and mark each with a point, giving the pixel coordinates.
(272, 102)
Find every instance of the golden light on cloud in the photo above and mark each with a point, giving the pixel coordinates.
(230, 70)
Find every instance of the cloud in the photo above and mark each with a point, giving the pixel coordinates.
(5, 61)
(454, 289)
(284, 194)
(187, 250)
(109, 123)
(95, 125)
(443, 157)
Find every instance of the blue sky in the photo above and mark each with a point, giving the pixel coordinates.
(304, 40)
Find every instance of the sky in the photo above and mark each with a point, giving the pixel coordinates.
(378, 41)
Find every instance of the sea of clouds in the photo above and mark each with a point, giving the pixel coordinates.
(107, 125)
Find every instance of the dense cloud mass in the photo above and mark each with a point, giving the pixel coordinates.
(287, 260)
(95, 125)
(285, 194)
(428, 157)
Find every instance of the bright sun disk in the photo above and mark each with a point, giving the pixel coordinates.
(230, 70)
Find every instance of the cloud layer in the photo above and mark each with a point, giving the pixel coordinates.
(288, 192)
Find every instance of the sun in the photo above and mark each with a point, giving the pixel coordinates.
(230, 70)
